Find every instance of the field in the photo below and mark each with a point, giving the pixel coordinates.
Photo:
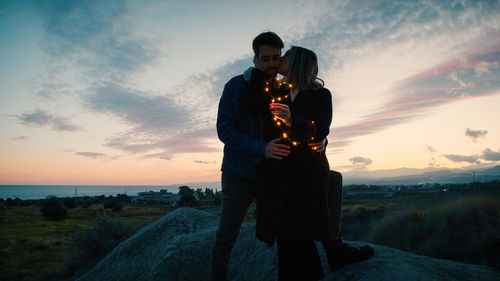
(461, 225)
(32, 247)
(31, 244)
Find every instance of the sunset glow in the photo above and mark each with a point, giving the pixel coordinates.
(126, 92)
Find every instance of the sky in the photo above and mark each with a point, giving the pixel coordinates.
(126, 92)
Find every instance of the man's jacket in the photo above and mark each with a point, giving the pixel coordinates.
(239, 130)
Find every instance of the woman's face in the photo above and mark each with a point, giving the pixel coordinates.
(283, 69)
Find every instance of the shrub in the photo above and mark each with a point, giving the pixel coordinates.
(188, 200)
(53, 209)
(357, 219)
(85, 201)
(13, 202)
(69, 203)
(465, 230)
(217, 201)
(93, 244)
(113, 204)
(102, 236)
(124, 198)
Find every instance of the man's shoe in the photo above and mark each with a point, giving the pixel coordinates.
(340, 254)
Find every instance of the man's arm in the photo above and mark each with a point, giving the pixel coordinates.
(230, 136)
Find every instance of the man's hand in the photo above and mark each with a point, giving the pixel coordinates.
(318, 146)
(275, 150)
(282, 112)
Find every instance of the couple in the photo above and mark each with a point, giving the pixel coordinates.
(274, 139)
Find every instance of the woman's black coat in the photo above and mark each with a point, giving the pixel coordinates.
(292, 201)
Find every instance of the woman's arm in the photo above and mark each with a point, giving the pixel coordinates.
(317, 128)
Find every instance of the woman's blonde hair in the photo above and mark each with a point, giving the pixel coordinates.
(303, 69)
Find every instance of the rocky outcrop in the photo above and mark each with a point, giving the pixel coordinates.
(178, 247)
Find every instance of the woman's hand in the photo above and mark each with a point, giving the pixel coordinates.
(282, 112)
(276, 150)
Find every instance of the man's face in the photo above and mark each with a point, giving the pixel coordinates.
(285, 61)
(269, 59)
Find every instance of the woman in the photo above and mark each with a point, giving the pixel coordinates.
(292, 203)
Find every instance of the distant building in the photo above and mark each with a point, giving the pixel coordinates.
(154, 197)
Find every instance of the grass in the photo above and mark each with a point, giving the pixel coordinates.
(30, 244)
(425, 224)
(464, 230)
(461, 226)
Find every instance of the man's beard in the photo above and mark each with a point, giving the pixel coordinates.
(272, 71)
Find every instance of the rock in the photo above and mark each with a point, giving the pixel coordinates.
(178, 247)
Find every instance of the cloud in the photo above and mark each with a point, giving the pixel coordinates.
(419, 92)
(21, 138)
(356, 28)
(93, 155)
(38, 118)
(361, 29)
(96, 36)
(362, 160)
(484, 67)
(454, 77)
(159, 122)
(475, 134)
(491, 155)
(462, 158)
(148, 112)
(42, 118)
(96, 41)
(430, 149)
(204, 162)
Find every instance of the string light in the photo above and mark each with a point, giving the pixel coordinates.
(280, 90)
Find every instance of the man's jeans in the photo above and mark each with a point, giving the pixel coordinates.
(238, 195)
(335, 202)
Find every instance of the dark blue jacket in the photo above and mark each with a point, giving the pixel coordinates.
(240, 132)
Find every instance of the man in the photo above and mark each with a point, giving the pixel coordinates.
(243, 152)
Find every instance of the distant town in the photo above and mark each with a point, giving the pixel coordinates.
(187, 196)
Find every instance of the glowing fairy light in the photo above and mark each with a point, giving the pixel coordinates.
(279, 91)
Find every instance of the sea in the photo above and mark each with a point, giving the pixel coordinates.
(32, 192)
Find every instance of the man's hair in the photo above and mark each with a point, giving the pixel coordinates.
(266, 38)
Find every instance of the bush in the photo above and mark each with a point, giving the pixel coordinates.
(188, 200)
(93, 244)
(13, 202)
(53, 209)
(69, 203)
(465, 230)
(123, 198)
(113, 204)
(102, 236)
(85, 201)
(217, 201)
(356, 220)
